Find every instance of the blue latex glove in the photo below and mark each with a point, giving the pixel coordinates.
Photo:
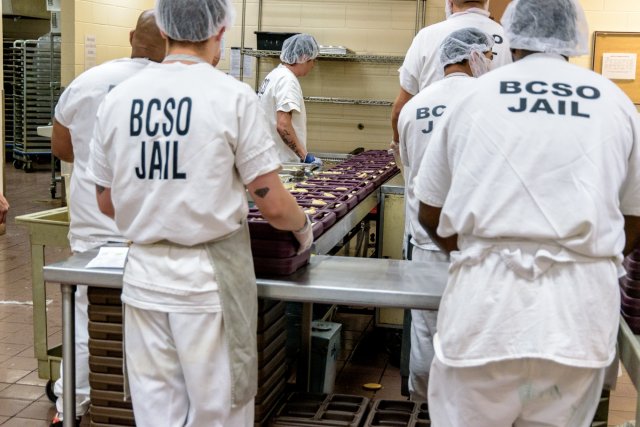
(310, 158)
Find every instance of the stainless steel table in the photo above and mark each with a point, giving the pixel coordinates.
(327, 279)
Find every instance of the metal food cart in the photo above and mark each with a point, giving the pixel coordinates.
(46, 228)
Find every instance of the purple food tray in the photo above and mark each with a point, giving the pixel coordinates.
(280, 266)
(273, 248)
(309, 409)
(630, 305)
(260, 229)
(339, 209)
(325, 218)
(633, 322)
(631, 285)
(632, 267)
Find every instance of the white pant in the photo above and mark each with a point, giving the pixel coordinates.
(518, 393)
(82, 356)
(179, 371)
(423, 328)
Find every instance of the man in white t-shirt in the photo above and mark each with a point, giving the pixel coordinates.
(75, 116)
(464, 54)
(421, 65)
(174, 148)
(281, 99)
(532, 182)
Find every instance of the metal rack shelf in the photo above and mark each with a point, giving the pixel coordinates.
(327, 100)
(352, 57)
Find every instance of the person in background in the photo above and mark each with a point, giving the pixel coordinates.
(4, 209)
(532, 184)
(281, 99)
(421, 65)
(464, 54)
(171, 163)
(75, 116)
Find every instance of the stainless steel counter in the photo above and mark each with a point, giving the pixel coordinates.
(355, 281)
(327, 279)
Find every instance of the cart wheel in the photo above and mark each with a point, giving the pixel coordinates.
(17, 164)
(53, 192)
(49, 391)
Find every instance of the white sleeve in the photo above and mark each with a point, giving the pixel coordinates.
(99, 168)
(410, 69)
(630, 191)
(255, 152)
(434, 176)
(67, 106)
(288, 96)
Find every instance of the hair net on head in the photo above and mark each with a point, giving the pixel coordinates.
(193, 20)
(552, 26)
(461, 45)
(299, 49)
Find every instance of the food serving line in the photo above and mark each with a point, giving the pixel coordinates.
(326, 279)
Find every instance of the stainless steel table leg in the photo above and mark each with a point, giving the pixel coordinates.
(305, 359)
(68, 355)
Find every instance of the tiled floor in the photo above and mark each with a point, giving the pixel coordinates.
(365, 357)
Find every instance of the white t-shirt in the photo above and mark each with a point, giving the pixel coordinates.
(281, 91)
(177, 144)
(534, 169)
(76, 110)
(421, 65)
(416, 124)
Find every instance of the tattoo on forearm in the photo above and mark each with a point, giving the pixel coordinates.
(100, 189)
(262, 192)
(286, 137)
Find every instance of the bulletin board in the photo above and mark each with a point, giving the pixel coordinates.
(616, 55)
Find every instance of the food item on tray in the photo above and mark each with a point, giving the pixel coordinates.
(318, 202)
(298, 190)
(329, 195)
(310, 211)
(341, 188)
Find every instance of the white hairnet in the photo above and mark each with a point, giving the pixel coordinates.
(193, 20)
(299, 49)
(460, 45)
(552, 26)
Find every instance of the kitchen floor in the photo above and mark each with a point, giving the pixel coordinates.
(369, 354)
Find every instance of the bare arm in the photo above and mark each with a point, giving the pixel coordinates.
(61, 145)
(276, 204)
(288, 134)
(4, 208)
(632, 233)
(401, 100)
(104, 201)
(429, 218)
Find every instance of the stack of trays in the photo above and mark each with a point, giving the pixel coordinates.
(326, 198)
(308, 409)
(106, 379)
(630, 291)
(272, 369)
(401, 413)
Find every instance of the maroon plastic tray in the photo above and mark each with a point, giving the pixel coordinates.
(630, 305)
(632, 321)
(398, 413)
(273, 248)
(260, 229)
(280, 266)
(630, 286)
(337, 207)
(309, 409)
(632, 267)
